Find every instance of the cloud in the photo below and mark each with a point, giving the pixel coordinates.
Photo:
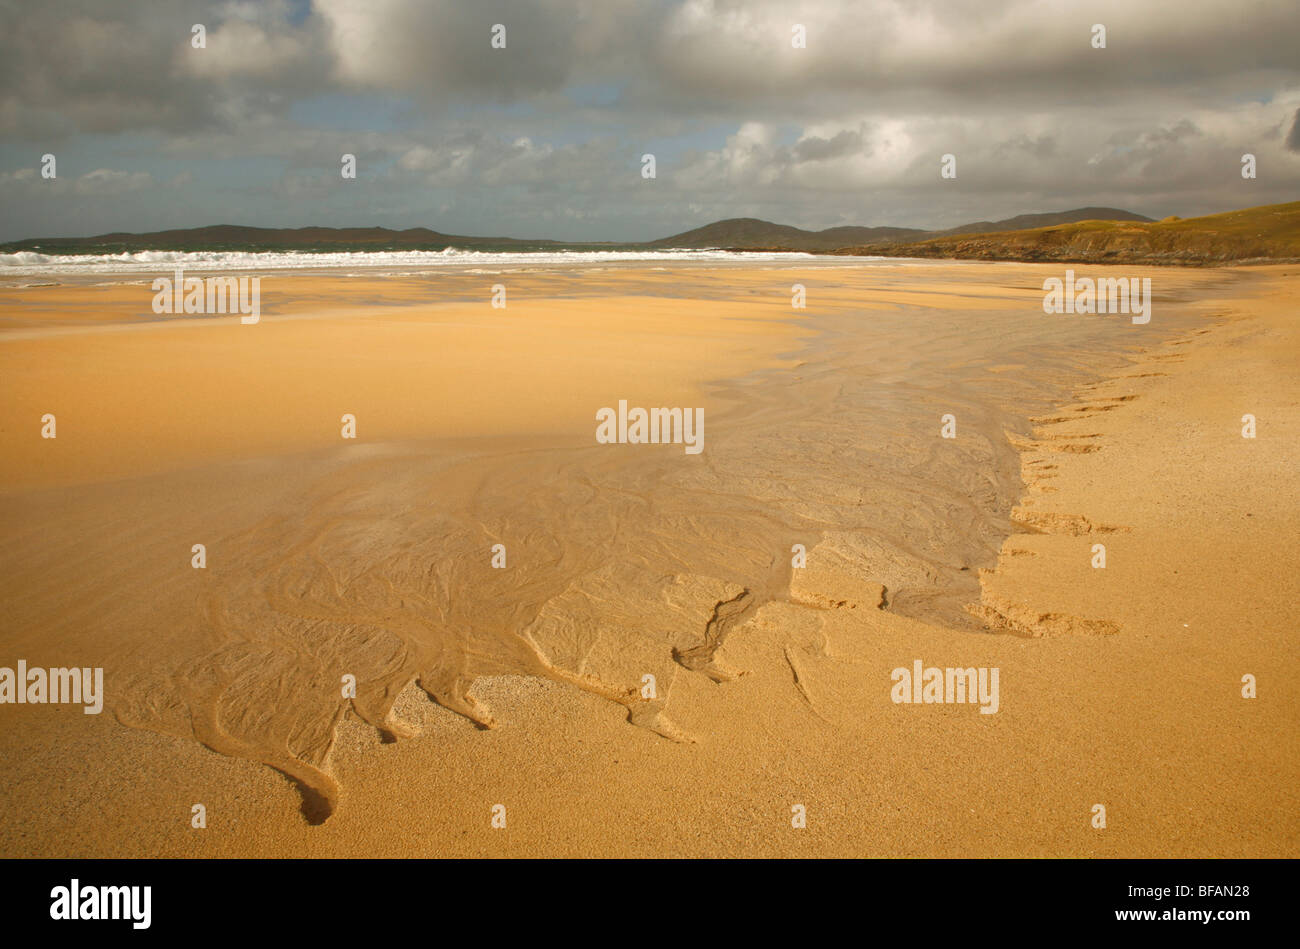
(905, 51)
(78, 67)
(104, 181)
(545, 136)
(815, 149)
(28, 183)
(439, 48)
(1293, 139)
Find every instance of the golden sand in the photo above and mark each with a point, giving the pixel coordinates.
(372, 557)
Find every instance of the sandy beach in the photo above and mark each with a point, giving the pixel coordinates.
(524, 686)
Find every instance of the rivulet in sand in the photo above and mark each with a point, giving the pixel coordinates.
(665, 677)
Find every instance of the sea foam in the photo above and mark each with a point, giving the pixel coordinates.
(26, 263)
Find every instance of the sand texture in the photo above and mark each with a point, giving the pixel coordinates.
(524, 686)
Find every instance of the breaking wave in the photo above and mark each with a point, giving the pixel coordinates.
(149, 261)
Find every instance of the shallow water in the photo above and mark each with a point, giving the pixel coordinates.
(621, 560)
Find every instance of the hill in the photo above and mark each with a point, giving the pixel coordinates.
(1026, 221)
(1269, 232)
(746, 232)
(731, 234)
(231, 237)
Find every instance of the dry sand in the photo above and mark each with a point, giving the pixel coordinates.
(1119, 686)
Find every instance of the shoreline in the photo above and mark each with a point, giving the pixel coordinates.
(810, 702)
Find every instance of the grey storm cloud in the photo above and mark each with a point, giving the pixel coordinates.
(815, 148)
(85, 65)
(548, 132)
(1293, 139)
(964, 50)
(68, 68)
(1041, 147)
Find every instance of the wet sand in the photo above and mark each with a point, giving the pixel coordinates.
(522, 686)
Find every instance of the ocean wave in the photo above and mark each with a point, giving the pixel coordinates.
(26, 263)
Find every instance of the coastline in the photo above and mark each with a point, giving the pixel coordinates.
(809, 721)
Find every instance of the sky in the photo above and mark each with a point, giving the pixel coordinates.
(545, 137)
